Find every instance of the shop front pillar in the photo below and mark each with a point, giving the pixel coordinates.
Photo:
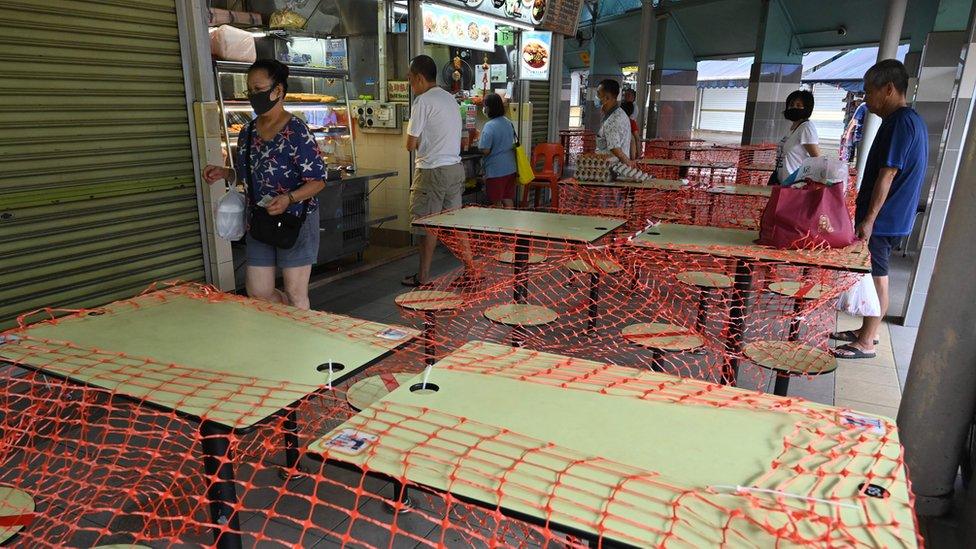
(674, 80)
(206, 132)
(776, 71)
(887, 49)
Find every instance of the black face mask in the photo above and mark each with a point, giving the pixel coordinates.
(261, 102)
(794, 114)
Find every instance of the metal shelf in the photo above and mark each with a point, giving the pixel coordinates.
(293, 70)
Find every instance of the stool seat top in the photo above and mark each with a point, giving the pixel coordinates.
(591, 265)
(705, 279)
(662, 336)
(790, 357)
(17, 506)
(368, 390)
(520, 314)
(429, 300)
(509, 257)
(799, 290)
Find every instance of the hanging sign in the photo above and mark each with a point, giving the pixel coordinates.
(462, 29)
(560, 16)
(535, 55)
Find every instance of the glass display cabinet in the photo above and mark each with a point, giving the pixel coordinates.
(316, 95)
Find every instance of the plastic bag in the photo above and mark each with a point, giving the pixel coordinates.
(230, 216)
(861, 299)
(819, 169)
(232, 44)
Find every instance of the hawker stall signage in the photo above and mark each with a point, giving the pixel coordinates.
(519, 11)
(535, 55)
(462, 29)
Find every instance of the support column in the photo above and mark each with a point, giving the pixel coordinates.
(776, 71)
(939, 401)
(674, 81)
(643, 63)
(206, 131)
(555, 86)
(887, 49)
(604, 63)
(933, 101)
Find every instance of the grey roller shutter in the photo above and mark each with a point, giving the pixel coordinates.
(722, 109)
(539, 96)
(97, 192)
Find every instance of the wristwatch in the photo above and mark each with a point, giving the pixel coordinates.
(291, 198)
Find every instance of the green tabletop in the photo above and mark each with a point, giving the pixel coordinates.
(676, 185)
(575, 228)
(210, 355)
(680, 163)
(652, 184)
(646, 458)
(742, 190)
(740, 244)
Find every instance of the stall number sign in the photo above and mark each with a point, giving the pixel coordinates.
(398, 90)
(505, 37)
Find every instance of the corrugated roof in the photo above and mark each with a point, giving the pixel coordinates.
(734, 73)
(850, 67)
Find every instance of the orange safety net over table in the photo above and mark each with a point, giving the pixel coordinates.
(185, 415)
(642, 202)
(736, 302)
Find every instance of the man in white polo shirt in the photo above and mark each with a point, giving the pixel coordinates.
(434, 134)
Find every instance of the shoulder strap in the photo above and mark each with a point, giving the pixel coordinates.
(247, 161)
(515, 139)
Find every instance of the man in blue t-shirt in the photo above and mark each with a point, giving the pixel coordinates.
(888, 197)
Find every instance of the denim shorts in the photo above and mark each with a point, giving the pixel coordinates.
(880, 248)
(304, 252)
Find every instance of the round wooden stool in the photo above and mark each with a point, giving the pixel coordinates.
(660, 338)
(594, 268)
(16, 511)
(798, 291)
(520, 316)
(789, 358)
(429, 302)
(368, 390)
(705, 281)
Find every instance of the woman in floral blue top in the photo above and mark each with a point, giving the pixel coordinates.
(287, 173)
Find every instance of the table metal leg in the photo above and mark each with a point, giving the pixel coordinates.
(737, 314)
(795, 319)
(290, 430)
(222, 493)
(518, 268)
(782, 385)
(429, 346)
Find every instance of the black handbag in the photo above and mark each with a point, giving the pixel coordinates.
(280, 231)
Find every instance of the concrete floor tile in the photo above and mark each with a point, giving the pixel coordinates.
(866, 391)
(857, 371)
(886, 411)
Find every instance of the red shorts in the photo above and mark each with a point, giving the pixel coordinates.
(500, 188)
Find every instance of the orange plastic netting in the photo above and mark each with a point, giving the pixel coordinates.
(104, 466)
(186, 415)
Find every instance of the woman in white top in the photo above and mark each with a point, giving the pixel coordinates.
(802, 141)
